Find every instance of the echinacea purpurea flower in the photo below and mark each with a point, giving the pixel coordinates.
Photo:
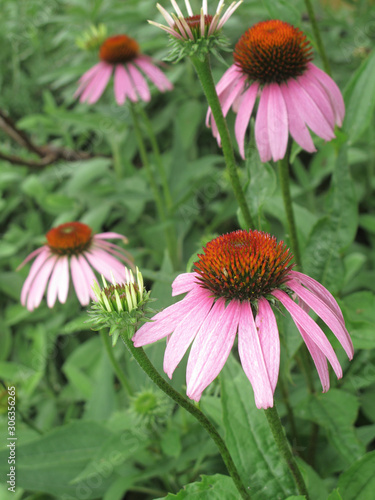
(236, 282)
(272, 61)
(121, 56)
(72, 249)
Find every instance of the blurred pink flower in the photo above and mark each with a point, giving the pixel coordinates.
(272, 62)
(120, 55)
(193, 27)
(72, 245)
(237, 279)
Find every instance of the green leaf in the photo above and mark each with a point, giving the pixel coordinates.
(250, 440)
(217, 487)
(284, 10)
(314, 483)
(49, 463)
(336, 411)
(335, 231)
(262, 184)
(359, 309)
(358, 482)
(113, 453)
(171, 442)
(359, 96)
(335, 495)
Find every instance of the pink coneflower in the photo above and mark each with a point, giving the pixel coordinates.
(193, 27)
(72, 245)
(120, 54)
(272, 61)
(237, 279)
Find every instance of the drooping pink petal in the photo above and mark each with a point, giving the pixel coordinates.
(320, 291)
(297, 127)
(318, 357)
(277, 122)
(310, 112)
(155, 74)
(211, 348)
(63, 287)
(39, 284)
(36, 266)
(97, 85)
(235, 91)
(53, 286)
(324, 312)
(88, 274)
(332, 89)
(166, 321)
(110, 236)
(140, 84)
(312, 329)
(79, 281)
(268, 332)
(229, 78)
(31, 256)
(86, 78)
(120, 83)
(243, 116)
(261, 127)
(105, 264)
(115, 250)
(184, 334)
(58, 282)
(184, 283)
(252, 358)
(319, 96)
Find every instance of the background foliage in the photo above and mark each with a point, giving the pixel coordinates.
(80, 436)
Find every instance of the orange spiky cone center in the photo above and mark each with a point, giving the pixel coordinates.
(71, 238)
(118, 49)
(243, 265)
(272, 51)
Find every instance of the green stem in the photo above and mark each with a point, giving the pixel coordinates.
(117, 163)
(170, 239)
(158, 159)
(205, 76)
(283, 167)
(284, 448)
(116, 367)
(284, 391)
(318, 38)
(146, 365)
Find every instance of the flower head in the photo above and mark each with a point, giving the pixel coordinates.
(120, 305)
(199, 33)
(92, 38)
(273, 61)
(121, 55)
(236, 281)
(72, 246)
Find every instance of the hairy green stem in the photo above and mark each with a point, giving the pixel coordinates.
(205, 76)
(158, 159)
(146, 365)
(318, 38)
(283, 167)
(169, 236)
(284, 448)
(115, 364)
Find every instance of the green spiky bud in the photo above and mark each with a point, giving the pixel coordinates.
(120, 306)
